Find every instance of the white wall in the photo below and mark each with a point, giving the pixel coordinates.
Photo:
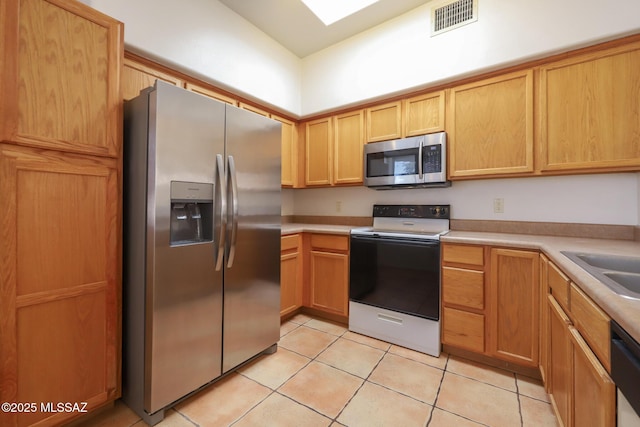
(589, 199)
(207, 39)
(400, 55)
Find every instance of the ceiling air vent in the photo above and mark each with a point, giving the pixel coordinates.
(452, 15)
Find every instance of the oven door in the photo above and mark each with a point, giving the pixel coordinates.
(397, 274)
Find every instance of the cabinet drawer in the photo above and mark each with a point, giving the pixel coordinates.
(463, 254)
(592, 323)
(558, 286)
(463, 330)
(463, 287)
(329, 241)
(289, 242)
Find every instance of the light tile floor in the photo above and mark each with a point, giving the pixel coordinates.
(325, 375)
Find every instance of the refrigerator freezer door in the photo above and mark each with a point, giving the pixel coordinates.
(252, 281)
(184, 292)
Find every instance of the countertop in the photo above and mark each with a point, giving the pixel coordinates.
(623, 310)
(292, 228)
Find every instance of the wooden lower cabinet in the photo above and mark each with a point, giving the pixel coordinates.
(463, 329)
(290, 274)
(594, 393)
(329, 274)
(560, 363)
(59, 281)
(581, 390)
(314, 275)
(463, 297)
(490, 299)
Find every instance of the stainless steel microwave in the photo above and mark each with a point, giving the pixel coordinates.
(414, 162)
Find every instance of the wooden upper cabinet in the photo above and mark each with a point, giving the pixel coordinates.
(384, 122)
(289, 152)
(348, 148)
(318, 142)
(60, 77)
(490, 127)
(424, 114)
(588, 110)
(210, 93)
(137, 76)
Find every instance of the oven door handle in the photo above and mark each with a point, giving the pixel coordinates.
(404, 240)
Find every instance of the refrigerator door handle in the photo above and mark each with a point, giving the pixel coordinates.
(221, 188)
(233, 181)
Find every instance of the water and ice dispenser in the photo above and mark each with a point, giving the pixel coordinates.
(191, 213)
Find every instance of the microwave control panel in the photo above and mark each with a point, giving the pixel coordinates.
(432, 159)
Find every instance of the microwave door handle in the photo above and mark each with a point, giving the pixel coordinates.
(420, 174)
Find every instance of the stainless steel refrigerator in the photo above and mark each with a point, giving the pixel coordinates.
(201, 268)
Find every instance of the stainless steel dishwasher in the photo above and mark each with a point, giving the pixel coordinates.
(625, 371)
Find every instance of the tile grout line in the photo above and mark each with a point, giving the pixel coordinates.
(363, 382)
(519, 401)
(433, 407)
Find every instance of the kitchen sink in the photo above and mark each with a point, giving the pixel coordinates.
(610, 262)
(620, 273)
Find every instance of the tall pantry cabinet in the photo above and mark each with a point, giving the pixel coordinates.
(60, 222)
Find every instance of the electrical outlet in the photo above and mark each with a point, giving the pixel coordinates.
(338, 206)
(498, 205)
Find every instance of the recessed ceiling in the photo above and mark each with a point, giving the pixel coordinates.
(294, 26)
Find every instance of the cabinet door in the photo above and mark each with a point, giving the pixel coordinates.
(463, 329)
(560, 363)
(329, 282)
(594, 393)
(318, 142)
(490, 127)
(544, 321)
(290, 283)
(211, 93)
(60, 74)
(384, 122)
(289, 152)
(137, 76)
(589, 111)
(60, 287)
(348, 149)
(424, 114)
(514, 305)
(593, 325)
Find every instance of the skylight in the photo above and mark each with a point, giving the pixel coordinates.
(330, 11)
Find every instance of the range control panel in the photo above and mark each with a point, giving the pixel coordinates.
(412, 211)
